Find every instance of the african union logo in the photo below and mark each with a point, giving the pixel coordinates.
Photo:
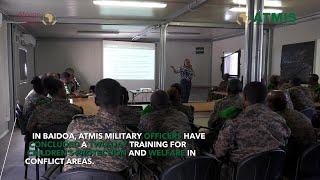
(49, 19)
(243, 19)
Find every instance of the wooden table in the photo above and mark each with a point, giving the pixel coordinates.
(90, 108)
(201, 106)
(88, 105)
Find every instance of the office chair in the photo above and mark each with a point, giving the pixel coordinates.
(308, 166)
(263, 166)
(199, 168)
(89, 174)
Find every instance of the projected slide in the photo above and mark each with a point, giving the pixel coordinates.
(231, 64)
(128, 60)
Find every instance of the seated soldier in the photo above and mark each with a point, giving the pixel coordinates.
(108, 95)
(54, 116)
(74, 81)
(226, 108)
(224, 84)
(257, 129)
(232, 100)
(165, 119)
(314, 87)
(129, 115)
(302, 133)
(285, 83)
(53, 74)
(37, 96)
(302, 99)
(174, 93)
(274, 83)
(67, 82)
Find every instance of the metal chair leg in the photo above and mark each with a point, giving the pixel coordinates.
(37, 172)
(26, 155)
(26, 171)
(37, 166)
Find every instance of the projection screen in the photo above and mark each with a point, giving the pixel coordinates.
(130, 63)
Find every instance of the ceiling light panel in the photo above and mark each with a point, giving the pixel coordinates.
(267, 3)
(137, 4)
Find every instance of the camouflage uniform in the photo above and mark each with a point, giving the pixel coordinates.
(301, 98)
(285, 86)
(213, 96)
(187, 110)
(302, 131)
(76, 83)
(220, 105)
(101, 123)
(223, 85)
(216, 122)
(167, 120)
(315, 92)
(289, 101)
(31, 101)
(54, 116)
(271, 87)
(302, 136)
(255, 130)
(130, 116)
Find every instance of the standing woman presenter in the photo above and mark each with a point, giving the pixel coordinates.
(186, 74)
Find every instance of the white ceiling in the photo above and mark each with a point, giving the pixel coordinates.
(82, 15)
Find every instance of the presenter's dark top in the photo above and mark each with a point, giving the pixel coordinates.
(185, 73)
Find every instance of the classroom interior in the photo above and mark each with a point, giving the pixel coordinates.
(203, 31)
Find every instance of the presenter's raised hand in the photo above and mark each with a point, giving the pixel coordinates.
(174, 69)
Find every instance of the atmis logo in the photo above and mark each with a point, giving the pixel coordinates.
(268, 18)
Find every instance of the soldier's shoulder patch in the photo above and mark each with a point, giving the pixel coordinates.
(43, 101)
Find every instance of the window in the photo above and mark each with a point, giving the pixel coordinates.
(231, 63)
(131, 63)
(23, 64)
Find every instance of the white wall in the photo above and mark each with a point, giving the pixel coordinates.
(226, 45)
(302, 32)
(21, 88)
(178, 51)
(83, 55)
(4, 81)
